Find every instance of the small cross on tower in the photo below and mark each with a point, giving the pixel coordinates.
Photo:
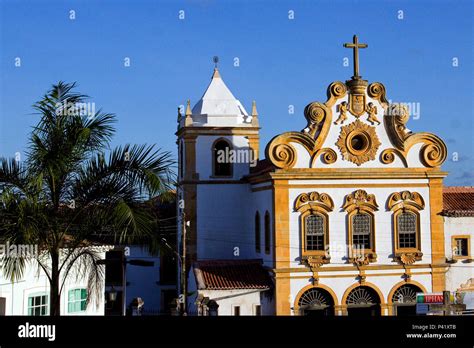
(356, 45)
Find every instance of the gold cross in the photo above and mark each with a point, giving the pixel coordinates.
(356, 45)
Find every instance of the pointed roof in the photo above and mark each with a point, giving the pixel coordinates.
(218, 100)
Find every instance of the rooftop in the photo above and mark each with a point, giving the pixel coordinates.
(231, 274)
(458, 201)
(218, 100)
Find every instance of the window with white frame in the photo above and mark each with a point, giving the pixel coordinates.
(77, 300)
(38, 305)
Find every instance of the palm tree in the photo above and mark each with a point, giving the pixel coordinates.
(66, 196)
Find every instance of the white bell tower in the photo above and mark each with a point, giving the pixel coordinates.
(218, 142)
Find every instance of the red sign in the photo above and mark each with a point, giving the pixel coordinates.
(433, 298)
(429, 298)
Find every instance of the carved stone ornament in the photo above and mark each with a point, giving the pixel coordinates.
(363, 260)
(408, 258)
(358, 142)
(321, 199)
(360, 198)
(404, 199)
(356, 95)
(316, 261)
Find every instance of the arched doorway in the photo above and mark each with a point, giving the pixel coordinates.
(316, 302)
(404, 300)
(363, 301)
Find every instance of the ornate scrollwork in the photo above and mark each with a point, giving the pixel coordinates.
(327, 155)
(400, 200)
(368, 142)
(360, 198)
(433, 155)
(321, 199)
(388, 156)
(315, 114)
(283, 155)
(319, 118)
(376, 90)
(433, 152)
(336, 90)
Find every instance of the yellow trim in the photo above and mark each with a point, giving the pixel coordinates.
(348, 268)
(281, 241)
(309, 212)
(360, 202)
(438, 256)
(195, 131)
(453, 245)
(254, 144)
(353, 275)
(397, 248)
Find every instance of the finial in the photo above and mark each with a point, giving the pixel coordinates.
(254, 108)
(188, 108)
(188, 121)
(254, 114)
(216, 74)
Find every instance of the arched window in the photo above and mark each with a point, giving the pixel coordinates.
(267, 233)
(404, 300)
(362, 231)
(257, 232)
(314, 208)
(406, 208)
(315, 232)
(361, 207)
(407, 222)
(222, 164)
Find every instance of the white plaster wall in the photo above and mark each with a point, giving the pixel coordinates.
(34, 281)
(204, 156)
(246, 299)
(337, 223)
(262, 201)
(460, 272)
(223, 223)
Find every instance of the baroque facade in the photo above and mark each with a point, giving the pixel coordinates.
(344, 217)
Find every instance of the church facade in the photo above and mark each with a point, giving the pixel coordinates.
(343, 217)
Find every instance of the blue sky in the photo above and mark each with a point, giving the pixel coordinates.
(282, 62)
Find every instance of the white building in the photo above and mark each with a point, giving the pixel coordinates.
(459, 233)
(344, 215)
(30, 295)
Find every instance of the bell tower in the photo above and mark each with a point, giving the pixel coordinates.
(218, 143)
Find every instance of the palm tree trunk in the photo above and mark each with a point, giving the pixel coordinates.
(55, 302)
